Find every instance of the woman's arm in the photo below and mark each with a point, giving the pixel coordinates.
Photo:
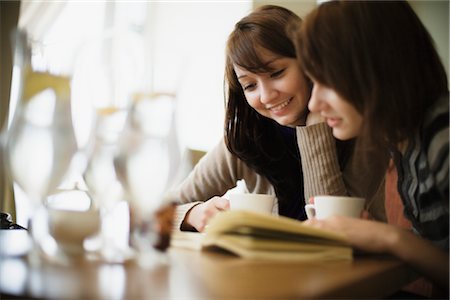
(198, 196)
(362, 176)
(428, 259)
(213, 175)
(377, 237)
(321, 171)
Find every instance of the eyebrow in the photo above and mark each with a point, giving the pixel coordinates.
(265, 64)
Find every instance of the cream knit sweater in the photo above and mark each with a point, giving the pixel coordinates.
(219, 170)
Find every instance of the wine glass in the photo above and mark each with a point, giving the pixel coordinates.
(40, 142)
(146, 163)
(105, 78)
(102, 182)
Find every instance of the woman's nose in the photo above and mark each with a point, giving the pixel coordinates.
(314, 100)
(268, 93)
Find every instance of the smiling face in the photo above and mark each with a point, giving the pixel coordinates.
(340, 115)
(281, 94)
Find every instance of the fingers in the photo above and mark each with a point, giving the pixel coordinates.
(222, 204)
(314, 118)
(366, 215)
(195, 217)
(321, 224)
(207, 210)
(311, 222)
(331, 223)
(308, 222)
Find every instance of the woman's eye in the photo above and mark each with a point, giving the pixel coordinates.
(249, 87)
(277, 73)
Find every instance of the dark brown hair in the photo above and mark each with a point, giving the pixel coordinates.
(378, 56)
(255, 139)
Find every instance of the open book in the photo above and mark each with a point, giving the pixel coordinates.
(257, 236)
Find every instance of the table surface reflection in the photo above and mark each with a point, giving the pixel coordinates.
(190, 274)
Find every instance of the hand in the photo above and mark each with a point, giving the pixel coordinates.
(314, 118)
(365, 214)
(200, 215)
(366, 235)
(377, 237)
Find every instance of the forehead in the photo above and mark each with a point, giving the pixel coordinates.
(267, 59)
(257, 61)
(266, 55)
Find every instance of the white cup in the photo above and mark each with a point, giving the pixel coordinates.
(325, 206)
(259, 203)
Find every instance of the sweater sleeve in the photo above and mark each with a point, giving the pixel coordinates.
(213, 175)
(180, 214)
(321, 172)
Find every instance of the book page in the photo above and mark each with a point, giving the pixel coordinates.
(235, 221)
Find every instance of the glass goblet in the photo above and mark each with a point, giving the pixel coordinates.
(145, 164)
(40, 142)
(102, 183)
(105, 76)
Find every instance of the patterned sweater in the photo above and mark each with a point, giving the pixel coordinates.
(219, 170)
(423, 176)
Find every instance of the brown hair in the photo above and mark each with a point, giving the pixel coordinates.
(255, 139)
(265, 28)
(378, 56)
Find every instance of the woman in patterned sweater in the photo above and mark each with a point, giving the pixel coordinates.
(377, 76)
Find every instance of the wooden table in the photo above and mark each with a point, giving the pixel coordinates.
(189, 274)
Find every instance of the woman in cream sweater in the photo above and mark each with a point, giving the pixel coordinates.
(271, 140)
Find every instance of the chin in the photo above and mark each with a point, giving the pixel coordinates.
(287, 124)
(342, 134)
(291, 122)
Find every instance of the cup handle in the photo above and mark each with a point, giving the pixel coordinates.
(310, 211)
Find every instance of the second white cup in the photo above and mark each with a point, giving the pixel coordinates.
(260, 203)
(326, 206)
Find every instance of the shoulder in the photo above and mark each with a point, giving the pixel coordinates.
(222, 160)
(435, 133)
(439, 109)
(219, 153)
(228, 167)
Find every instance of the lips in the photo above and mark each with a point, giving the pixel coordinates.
(333, 122)
(280, 106)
